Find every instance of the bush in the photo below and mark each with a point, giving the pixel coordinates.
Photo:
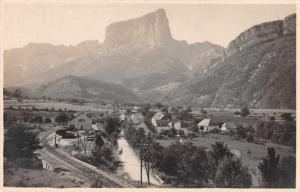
(20, 143)
(97, 183)
(287, 168)
(287, 117)
(281, 133)
(237, 113)
(272, 118)
(231, 173)
(245, 111)
(62, 118)
(269, 168)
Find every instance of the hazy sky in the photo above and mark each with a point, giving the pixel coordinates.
(72, 23)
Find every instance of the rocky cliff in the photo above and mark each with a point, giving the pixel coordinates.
(263, 32)
(255, 72)
(151, 29)
(139, 49)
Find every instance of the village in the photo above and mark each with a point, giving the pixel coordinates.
(77, 134)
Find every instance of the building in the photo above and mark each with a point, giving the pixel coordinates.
(81, 122)
(228, 127)
(175, 124)
(137, 118)
(207, 125)
(159, 119)
(98, 127)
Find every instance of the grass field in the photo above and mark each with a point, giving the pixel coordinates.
(258, 151)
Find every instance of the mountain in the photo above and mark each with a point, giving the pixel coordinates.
(74, 87)
(145, 49)
(28, 64)
(25, 92)
(257, 70)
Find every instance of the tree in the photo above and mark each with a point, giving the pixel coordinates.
(195, 129)
(158, 105)
(220, 151)
(204, 112)
(272, 118)
(237, 113)
(145, 109)
(245, 111)
(193, 165)
(38, 119)
(287, 117)
(20, 143)
(231, 173)
(287, 169)
(110, 125)
(269, 168)
(99, 141)
(241, 132)
(62, 118)
(97, 183)
(18, 95)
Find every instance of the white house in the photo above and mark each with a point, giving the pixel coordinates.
(122, 117)
(156, 117)
(175, 124)
(159, 119)
(206, 125)
(137, 118)
(228, 126)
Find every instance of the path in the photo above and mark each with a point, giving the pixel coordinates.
(131, 163)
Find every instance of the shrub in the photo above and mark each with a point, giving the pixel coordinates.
(231, 173)
(245, 111)
(287, 168)
(269, 168)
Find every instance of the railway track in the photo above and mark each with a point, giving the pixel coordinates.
(81, 169)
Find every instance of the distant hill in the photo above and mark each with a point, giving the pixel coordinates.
(143, 50)
(258, 70)
(25, 92)
(74, 87)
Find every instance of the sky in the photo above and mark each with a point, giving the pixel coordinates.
(70, 24)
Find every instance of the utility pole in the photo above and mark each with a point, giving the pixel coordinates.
(141, 156)
(55, 144)
(78, 141)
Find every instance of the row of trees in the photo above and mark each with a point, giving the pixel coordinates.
(191, 166)
(281, 133)
(19, 108)
(103, 153)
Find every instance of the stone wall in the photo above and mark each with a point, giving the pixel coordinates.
(262, 33)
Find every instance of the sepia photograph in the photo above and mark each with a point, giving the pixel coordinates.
(137, 94)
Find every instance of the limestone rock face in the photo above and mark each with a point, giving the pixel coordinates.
(263, 32)
(151, 29)
(289, 24)
(258, 70)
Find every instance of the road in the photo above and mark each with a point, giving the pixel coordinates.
(131, 163)
(79, 168)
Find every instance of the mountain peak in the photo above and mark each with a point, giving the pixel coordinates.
(150, 29)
